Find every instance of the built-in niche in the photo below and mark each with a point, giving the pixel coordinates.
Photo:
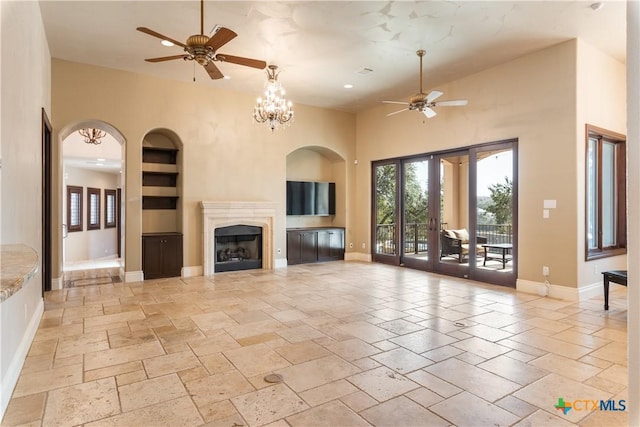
(162, 249)
(161, 207)
(318, 165)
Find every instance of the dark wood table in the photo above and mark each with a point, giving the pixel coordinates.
(504, 248)
(615, 276)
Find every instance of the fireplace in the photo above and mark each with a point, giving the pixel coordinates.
(216, 215)
(238, 247)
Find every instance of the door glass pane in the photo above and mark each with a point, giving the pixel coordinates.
(416, 205)
(494, 189)
(592, 194)
(454, 210)
(385, 209)
(608, 195)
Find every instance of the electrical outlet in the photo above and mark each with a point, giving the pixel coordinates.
(364, 245)
(279, 250)
(351, 245)
(545, 270)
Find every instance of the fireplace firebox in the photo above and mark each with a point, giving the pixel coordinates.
(238, 247)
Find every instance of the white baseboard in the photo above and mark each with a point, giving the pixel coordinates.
(281, 263)
(192, 271)
(559, 292)
(13, 372)
(357, 256)
(133, 276)
(122, 274)
(57, 283)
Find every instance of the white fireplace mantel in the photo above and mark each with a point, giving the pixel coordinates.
(224, 214)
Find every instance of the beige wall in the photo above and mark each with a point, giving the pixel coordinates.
(601, 101)
(25, 86)
(533, 99)
(225, 155)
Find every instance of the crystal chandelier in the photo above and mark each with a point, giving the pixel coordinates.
(92, 136)
(274, 107)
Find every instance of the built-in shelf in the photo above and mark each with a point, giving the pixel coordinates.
(159, 202)
(159, 179)
(159, 155)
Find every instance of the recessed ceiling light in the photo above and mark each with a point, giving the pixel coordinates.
(227, 77)
(348, 86)
(99, 164)
(166, 43)
(101, 160)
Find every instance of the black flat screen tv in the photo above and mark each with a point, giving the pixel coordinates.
(311, 198)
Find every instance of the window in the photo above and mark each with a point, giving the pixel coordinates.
(74, 208)
(109, 208)
(93, 208)
(605, 193)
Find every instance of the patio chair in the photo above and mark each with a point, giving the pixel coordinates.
(456, 243)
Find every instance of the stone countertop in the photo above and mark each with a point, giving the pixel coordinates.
(18, 263)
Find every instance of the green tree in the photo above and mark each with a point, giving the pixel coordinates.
(415, 202)
(501, 197)
(385, 194)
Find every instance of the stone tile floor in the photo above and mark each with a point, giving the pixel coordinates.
(356, 344)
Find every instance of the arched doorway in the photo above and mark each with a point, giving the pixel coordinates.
(90, 193)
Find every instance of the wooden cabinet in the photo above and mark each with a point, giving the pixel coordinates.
(309, 245)
(161, 255)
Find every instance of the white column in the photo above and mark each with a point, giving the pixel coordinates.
(633, 202)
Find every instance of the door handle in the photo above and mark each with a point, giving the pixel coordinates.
(430, 224)
(64, 231)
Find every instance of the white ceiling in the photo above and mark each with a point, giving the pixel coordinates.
(320, 46)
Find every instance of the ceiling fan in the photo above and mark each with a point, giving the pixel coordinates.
(423, 102)
(203, 49)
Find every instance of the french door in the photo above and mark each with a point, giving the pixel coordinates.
(452, 212)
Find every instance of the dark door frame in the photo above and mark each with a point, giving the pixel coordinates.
(46, 203)
(469, 271)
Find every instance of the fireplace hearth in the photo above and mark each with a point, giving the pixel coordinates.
(238, 247)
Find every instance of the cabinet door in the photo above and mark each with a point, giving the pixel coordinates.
(172, 256)
(330, 244)
(325, 238)
(309, 246)
(337, 244)
(293, 247)
(152, 256)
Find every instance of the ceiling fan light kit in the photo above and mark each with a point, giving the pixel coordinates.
(274, 107)
(423, 102)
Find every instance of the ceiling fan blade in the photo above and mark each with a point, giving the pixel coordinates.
(433, 95)
(214, 71)
(221, 37)
(255, 63)
(160, 36)
(429, 112)
(396, 112)
(165, 58)
(453, 103)
(395, 102)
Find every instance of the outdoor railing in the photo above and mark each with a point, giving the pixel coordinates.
(416, 236)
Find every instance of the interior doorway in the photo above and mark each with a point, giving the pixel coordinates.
(92, 219)
(451, 212)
